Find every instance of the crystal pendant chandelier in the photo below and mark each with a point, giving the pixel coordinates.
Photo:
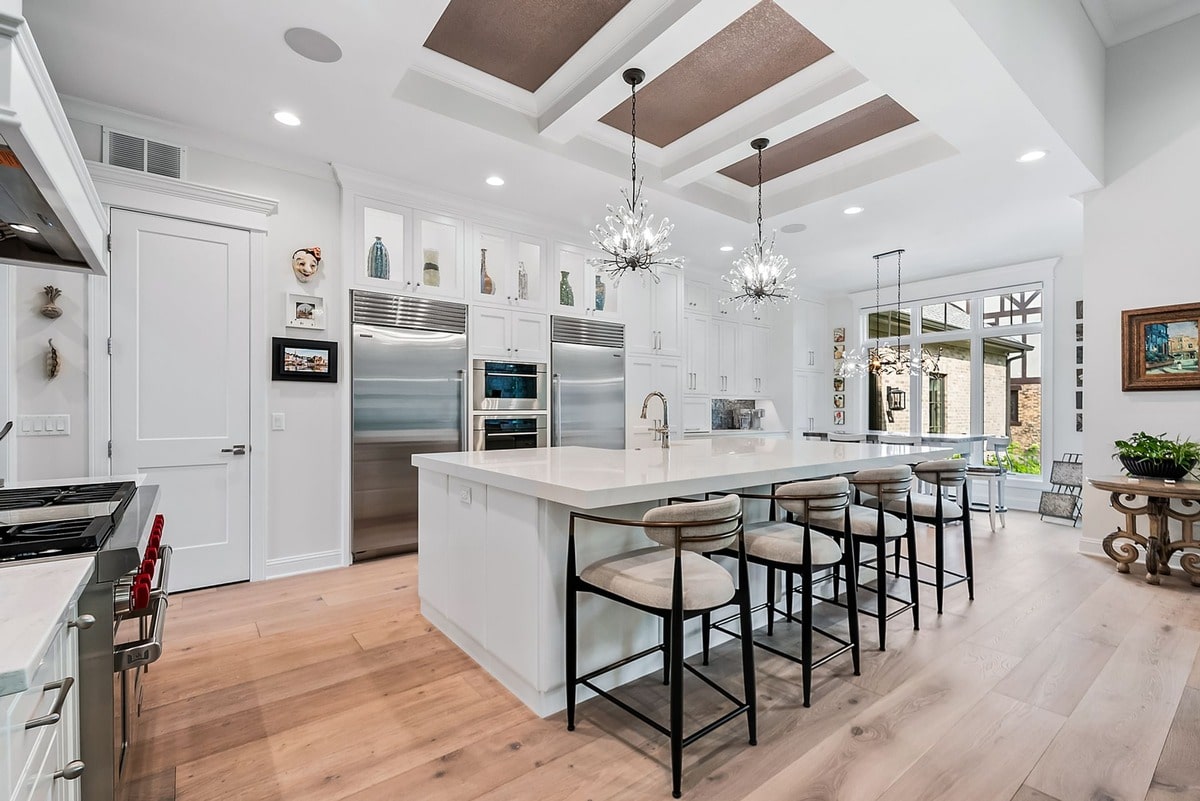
(886, 357)
(630, 241)
(760, 274)
(864, 359)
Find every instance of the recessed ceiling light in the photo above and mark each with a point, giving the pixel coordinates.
(852, 210)
(313, 45)
(287, 118)
(495, 180)
(23, 228)
(1032, 155)
(726, 248)
(794, 228)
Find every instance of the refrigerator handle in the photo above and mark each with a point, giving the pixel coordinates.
(556, 412)
(466, 413)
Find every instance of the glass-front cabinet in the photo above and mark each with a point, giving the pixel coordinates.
(578, 288)
(508, 268)
(402, 250)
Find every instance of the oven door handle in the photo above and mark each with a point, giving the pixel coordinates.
(556, 412)
(164, 573)
(143, 652)
(465, 410)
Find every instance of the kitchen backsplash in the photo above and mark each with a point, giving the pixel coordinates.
(725, 413)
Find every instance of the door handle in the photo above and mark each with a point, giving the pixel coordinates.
(556, 412)
(463, 410)
(236, 450)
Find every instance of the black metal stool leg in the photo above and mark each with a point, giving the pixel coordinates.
(770, 601)
(848, 559)
(806, 631)
(677, 685)
(881, 585)
(746, 630)
(939, 561)
(791, 589)
(968, 555)
(572, 645)
(705, 623)
(914, 585)
(666, 640)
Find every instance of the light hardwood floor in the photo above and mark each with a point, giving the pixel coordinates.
(1062, 681)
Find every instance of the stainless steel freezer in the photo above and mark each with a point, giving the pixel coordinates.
(587, 383)
(409, 375)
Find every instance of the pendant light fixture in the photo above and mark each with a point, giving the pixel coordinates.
(864, 359)
(628, 237)
(760, 274)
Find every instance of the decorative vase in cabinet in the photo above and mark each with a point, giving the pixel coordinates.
(378, 262)
(566, 295)
(601, 292)
(431, 273)
(486, 285)
(522, 281)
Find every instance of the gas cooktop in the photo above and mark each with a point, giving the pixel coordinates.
(41, 522)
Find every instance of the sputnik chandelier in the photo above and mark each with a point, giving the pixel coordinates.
(760, 274)
(630, 241)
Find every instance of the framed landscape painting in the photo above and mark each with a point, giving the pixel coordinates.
(1158, 347)
(303, 360)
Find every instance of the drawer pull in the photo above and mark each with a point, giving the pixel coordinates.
(83, 622)
(72, 770)
(55, 713)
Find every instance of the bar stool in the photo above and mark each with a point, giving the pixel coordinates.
(937, 509)
(793, 546)
(835, 437)
(675, 582)
(871, 526)
(897, 439)
(994, 475)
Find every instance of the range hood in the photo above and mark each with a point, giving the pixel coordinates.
(50, 214)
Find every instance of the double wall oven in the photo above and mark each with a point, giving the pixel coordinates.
(124, 605)
(510, 405)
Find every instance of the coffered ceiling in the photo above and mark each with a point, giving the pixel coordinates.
(916, 115)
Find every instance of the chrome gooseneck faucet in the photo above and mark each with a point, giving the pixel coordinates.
(665, 429)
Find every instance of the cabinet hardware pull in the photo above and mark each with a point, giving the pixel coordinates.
(83, 622)
(49, 719)
(72, 770)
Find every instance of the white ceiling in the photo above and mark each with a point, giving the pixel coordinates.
(1119, 21)
(950, 191)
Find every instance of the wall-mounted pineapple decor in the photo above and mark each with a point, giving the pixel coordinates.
(49, 309)
(53, 362)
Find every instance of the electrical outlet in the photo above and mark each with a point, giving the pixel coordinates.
(464, 495)
(44, 425)
(278, 423)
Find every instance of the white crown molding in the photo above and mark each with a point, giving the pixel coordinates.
(119, 176)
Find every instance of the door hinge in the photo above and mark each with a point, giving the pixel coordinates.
(108, 242)
(110, 449)
(110, 346)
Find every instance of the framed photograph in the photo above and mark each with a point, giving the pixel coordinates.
(839, 400)
(839, 384)
(1079, 310)
(303, 360)
(1078, 422)
(1078, 332)
(1158, 348)
(305, 311)
(1079, 376)
(839, 334)
(839, 418)
(1079, 355)
(839, 351)
(1079, 400)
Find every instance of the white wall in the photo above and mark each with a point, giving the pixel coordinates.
(35, 394)
(1068, 288)
(1153, 82)
(1054, 54)
(1141, 249)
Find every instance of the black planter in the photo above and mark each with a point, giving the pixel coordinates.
(1155, 468)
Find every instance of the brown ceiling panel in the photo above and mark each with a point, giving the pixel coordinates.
(522, 42)
(882, 115)
(753, 53)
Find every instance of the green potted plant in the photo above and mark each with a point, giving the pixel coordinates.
(1157, 457)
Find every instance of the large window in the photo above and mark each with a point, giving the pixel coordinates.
(983, 369)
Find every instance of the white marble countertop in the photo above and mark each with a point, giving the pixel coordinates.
(592, 478)
(33, 596)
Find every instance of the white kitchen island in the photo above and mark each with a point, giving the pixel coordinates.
(493, 540)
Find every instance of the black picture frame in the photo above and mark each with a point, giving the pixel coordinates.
(285, 369)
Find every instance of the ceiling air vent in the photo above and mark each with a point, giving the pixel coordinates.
(144, 155)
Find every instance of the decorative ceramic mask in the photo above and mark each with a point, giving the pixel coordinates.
(305, 263)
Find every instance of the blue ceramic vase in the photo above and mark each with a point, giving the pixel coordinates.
(378, 262)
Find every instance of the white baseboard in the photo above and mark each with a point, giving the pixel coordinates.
(304, 563)
(1092, 547)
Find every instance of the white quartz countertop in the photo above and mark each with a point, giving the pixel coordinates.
(592, 478)
(33, 596)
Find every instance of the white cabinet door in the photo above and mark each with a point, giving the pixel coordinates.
(809, 407)
(637, 299)
(725, 352)
(643, 375)
(697, 415)
(668, 313)
(566, 289)
(757, 354)
(695, 297)
(697, 365)
(529, 276)
(809, 327)
(722, 305)
(490, 332)
(530, 337)
(438, 258)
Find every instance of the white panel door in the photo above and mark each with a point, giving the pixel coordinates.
(637, 302)
(181, 384)
(697, 365)
(490, 332)
(530, 337)
(725, 353)
(668, 312)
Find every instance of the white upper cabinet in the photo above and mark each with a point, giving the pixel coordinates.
(577, 288)
(695, 297)
(811, 339)
(509, 269)
(402, 250)
(696, 363)
(724, 351)
(654, 313)
(510, 334)
(753, 366)
(645, 374)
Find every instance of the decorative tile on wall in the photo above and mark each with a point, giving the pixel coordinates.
(725, 413)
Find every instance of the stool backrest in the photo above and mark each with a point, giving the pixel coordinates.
(944, 473)
(897, 439)
(823, 498)
(886, 483)
(703, 526)
(999, 448)
(847, 437)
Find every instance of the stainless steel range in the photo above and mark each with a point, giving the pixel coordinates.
(126, 599)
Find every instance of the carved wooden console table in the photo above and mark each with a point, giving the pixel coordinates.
(1159, 541)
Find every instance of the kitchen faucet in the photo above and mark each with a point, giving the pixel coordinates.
(665, 430)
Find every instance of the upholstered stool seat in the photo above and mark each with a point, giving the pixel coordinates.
(645, 577)
(784, 542)
(923, 505)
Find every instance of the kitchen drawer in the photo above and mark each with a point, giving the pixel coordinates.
(17, 743)
(37, 783)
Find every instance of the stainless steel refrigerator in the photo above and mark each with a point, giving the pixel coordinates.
(409, 376)
(587, 383)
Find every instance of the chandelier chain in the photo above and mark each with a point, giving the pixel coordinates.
(760, 194)
(633, 134)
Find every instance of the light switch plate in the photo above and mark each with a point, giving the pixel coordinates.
(278, 422)
(44, 425)
(464, 495)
